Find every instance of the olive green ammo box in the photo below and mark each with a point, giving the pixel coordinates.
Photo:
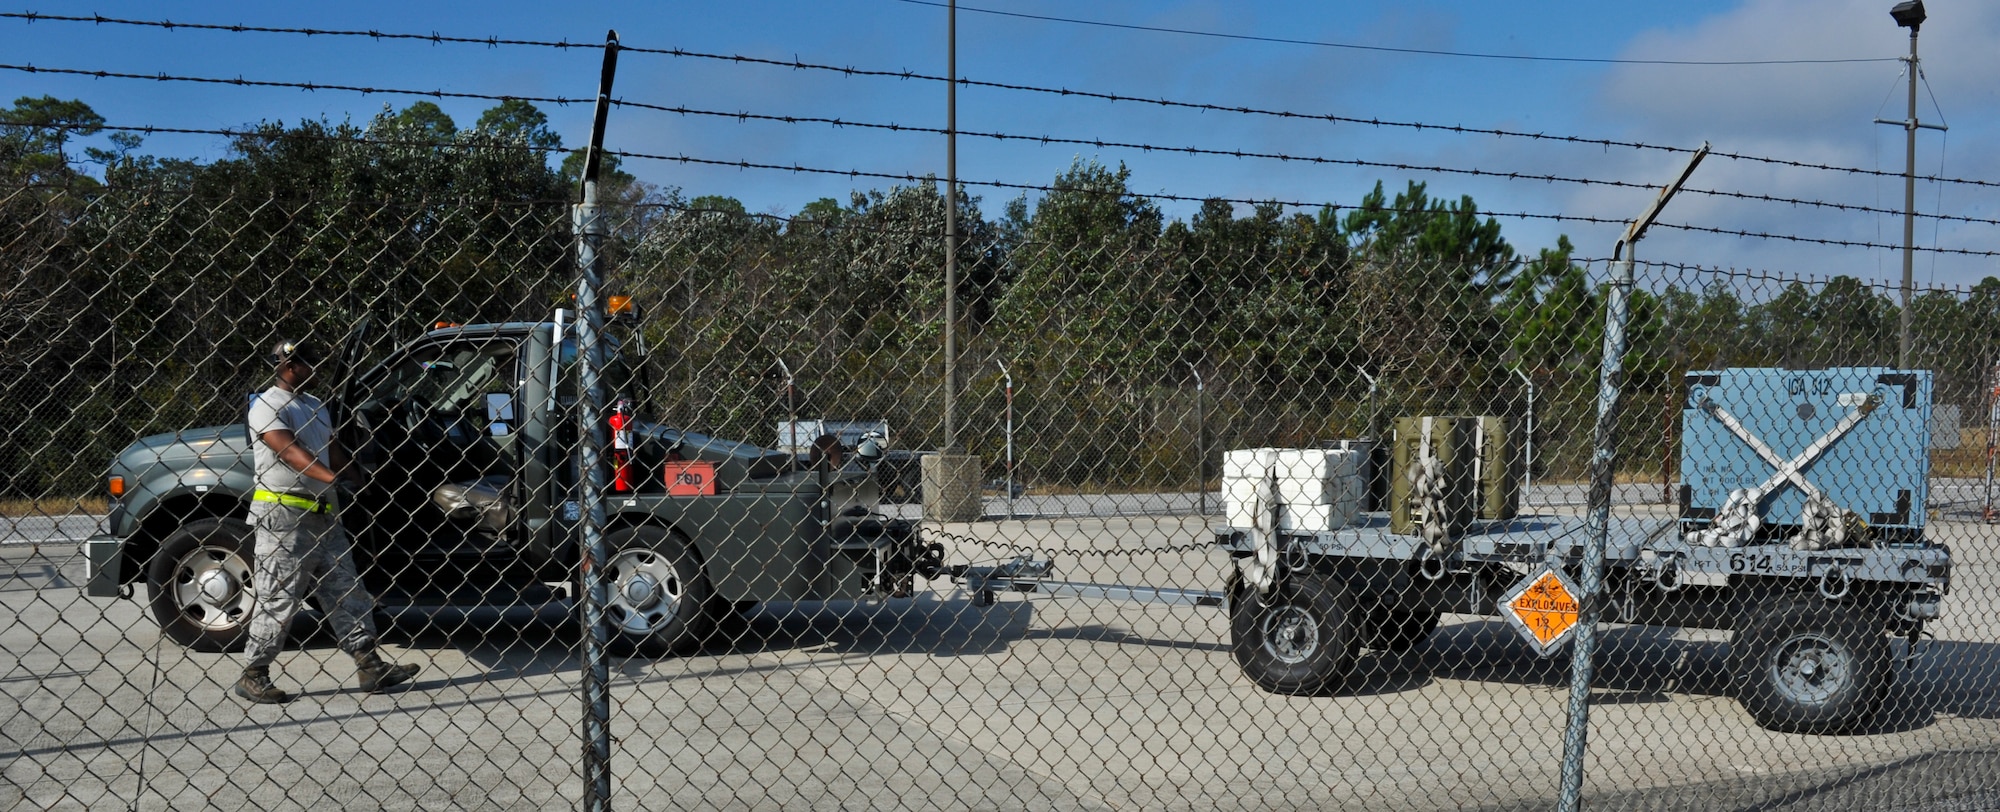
(1449, 441)
(1476, 457)
(1500, 465)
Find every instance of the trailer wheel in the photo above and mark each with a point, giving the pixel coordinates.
(656, 593)
(1298, 639)
(1810, 666)
(1397, 630)
(198, 584)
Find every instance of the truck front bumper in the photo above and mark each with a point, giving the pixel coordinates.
(100, 560)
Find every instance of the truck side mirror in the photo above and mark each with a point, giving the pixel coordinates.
(499, 413)
(870, 449)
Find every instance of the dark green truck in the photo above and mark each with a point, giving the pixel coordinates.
(467, 435)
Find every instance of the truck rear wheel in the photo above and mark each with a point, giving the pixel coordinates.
(1297, 639)
(198, 584)
(1810, 666)
(656, 593)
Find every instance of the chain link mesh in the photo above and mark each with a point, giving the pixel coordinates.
(1104, 597)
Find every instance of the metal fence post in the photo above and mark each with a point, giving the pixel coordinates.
(590, 358)
(1603, 467)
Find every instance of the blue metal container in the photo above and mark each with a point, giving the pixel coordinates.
(1877, 468)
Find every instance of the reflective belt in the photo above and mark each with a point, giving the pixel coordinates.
(288, 500)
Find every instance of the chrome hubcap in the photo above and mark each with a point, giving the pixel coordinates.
(212, 587)
(1810, 669)
(1290, 634)
(646, 592)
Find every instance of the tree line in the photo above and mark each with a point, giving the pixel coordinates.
(140, 288)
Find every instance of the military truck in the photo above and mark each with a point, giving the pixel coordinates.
(467, 435)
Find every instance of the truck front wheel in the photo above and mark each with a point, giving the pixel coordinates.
(1810, 666)
(198, 584)
(655, 592)
(1297, 639)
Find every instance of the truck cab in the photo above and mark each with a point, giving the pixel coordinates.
(468, 437)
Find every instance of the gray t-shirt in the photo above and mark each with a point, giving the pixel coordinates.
(306, 418)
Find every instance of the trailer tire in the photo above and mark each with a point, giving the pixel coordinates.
(656, 593)
(1397, 630)
(1297, 639)
(1805, 665)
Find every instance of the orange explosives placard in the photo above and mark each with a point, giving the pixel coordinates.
(1543, 606)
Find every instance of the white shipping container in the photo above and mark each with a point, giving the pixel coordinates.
(1321, 489)
(1246, 484)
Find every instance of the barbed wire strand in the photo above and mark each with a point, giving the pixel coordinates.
(797, 64)
(307, 86)
(1575, 218)
(1044, 188)
(1102, 143)
(150, 129)
(740, 115)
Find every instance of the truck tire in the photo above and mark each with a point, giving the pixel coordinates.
(1396, 630)
(1806, 665)
(1298, 639)
(198, 584)
(656, 593)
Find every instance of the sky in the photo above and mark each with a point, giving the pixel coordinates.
(1815, 113)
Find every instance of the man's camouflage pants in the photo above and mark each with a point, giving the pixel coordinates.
(300, 553)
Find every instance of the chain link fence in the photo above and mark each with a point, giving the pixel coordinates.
(1118, 591)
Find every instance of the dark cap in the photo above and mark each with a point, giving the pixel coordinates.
(293, 351)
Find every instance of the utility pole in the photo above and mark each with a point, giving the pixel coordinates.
(1909, 14)
(951, 230)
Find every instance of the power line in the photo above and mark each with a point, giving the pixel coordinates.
(1249, 154)
(1394, 50)
(797, 64)
(1336, 207)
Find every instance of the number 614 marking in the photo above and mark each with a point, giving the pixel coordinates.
(1751, 562)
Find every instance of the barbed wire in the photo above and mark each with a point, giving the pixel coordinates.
(1102, 143)
(150, 129)
(798, 64)
(1045, 188)
(99, 19)
(1335, 207)
(308, 86)
(1288, 114)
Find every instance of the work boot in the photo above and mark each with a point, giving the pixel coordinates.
(377, 674)
(255, 685)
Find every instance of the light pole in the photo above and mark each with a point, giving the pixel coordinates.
(1008, 378)
(1528, 464)
(1200, 441)
(791, 409)
(1909, 14)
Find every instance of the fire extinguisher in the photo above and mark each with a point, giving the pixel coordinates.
(621, 446)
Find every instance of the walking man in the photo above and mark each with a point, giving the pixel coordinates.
(301, 548)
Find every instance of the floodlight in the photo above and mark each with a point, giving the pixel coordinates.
(1909, 13)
